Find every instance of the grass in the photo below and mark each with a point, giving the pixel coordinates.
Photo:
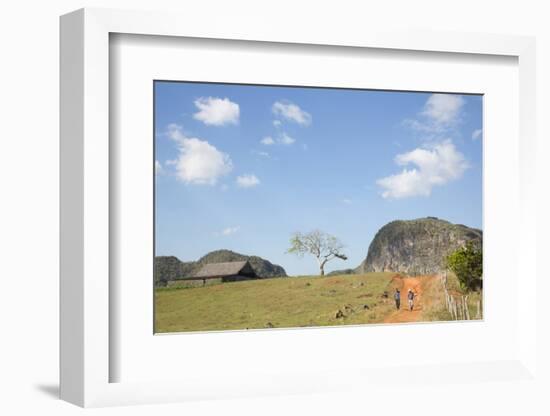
(275, 303)
(435, 306)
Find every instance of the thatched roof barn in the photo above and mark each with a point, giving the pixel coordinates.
(224, 270)
(213, 273)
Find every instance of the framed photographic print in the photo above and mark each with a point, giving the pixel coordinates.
(276, 197)
(267, 170)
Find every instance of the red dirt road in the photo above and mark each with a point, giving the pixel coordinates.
(403, 314)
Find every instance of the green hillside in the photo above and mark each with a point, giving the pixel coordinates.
(276, 303)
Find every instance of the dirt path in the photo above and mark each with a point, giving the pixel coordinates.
(403, 314)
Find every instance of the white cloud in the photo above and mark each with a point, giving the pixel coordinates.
(277, 123)
(198, 161)
(435, 166)
(347, 201)
(268, 141)
(441, 113)
(247, 181)
(175, 132)
(283, 138)
(286, 139)
(217, 111)
(444, 109)
(421, 126)
(477, 134)
(230, 230)
(260, 153)
(291, 112)
(158, 167)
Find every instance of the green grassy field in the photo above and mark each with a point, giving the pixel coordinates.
(275, 303)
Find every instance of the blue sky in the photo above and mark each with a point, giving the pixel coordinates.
(243, 167)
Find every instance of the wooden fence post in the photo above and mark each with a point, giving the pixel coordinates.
(479, 310)
(455, 309)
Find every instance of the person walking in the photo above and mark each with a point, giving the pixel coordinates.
(410, 297)
(397, 297)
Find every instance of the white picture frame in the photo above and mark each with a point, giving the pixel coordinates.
(86, 262)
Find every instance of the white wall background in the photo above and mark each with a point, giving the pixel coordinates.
(29, 196)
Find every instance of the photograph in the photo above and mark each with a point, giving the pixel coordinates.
(280, 207)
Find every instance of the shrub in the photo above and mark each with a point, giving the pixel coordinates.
(467, 264)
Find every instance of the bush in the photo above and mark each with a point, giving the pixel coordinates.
(467, 264)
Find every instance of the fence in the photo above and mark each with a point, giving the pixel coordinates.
(457, 305)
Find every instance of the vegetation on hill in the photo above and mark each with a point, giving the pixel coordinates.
(170, 268)
(467, 265)
(342, 272)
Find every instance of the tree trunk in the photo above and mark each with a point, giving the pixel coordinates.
(321, 266)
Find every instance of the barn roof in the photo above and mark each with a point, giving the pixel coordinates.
(221, 269)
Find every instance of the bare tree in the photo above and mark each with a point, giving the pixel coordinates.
(323, 246)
